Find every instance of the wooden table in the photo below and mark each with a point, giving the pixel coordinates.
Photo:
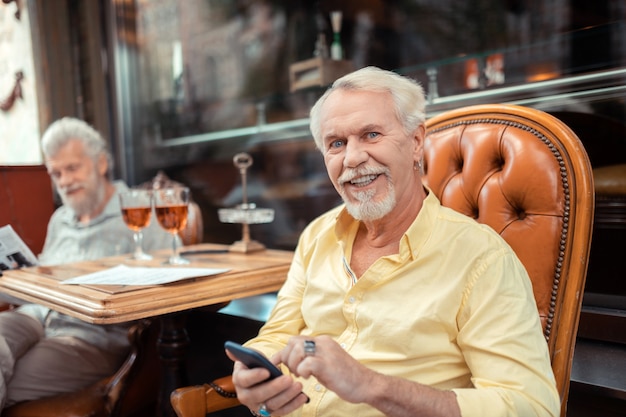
(250, 274)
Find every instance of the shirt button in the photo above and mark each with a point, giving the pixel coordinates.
(343, 346)
(318, 387)
(351, 299)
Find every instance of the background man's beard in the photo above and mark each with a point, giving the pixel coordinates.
(366, 209)
(94, 195)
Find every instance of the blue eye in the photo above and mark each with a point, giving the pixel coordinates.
(372, 135)
(336, 144)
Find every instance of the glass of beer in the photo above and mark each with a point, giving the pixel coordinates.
(136, 208)
(171, 206)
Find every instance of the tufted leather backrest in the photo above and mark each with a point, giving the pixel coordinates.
(527, 175)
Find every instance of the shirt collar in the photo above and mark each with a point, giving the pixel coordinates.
(413, 239)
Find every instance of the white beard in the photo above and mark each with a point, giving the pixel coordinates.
(366, 209)
(94, 196)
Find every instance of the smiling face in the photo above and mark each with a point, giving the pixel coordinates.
(369, 157)
(78, 178)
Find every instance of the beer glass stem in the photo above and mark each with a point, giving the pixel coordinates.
(175, 255)
(139, 253)
(176, 259)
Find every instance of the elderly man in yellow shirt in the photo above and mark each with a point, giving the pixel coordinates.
(395, 305)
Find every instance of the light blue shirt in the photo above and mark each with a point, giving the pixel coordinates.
(68, 240)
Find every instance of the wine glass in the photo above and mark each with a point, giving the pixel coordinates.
(171, 206)
(136, 208)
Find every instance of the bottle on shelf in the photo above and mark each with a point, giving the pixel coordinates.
(336, 51)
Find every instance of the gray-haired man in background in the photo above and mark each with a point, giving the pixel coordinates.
(43, 352)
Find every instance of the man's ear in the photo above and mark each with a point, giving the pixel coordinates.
(418, 137)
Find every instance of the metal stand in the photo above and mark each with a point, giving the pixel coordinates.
(245, 213)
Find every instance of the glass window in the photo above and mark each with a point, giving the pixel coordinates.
(201, 80)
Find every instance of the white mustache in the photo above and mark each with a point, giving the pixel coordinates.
(69, 189)
(351, 173)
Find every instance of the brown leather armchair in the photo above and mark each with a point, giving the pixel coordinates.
(525, 174)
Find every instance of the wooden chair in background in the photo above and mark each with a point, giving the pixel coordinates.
(525, 174)
(128, 392)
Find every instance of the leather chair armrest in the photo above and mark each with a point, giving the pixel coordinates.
(199, 400)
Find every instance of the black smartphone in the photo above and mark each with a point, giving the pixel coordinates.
(252, 358)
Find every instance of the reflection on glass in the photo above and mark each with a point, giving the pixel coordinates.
(206, 65)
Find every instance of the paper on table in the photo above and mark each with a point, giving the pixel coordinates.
(126, 275)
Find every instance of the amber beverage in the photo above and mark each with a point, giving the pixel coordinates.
(136, 218)
(136, 207)
(171, 207)
(172, 218)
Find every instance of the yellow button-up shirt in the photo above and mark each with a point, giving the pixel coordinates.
(454, 309)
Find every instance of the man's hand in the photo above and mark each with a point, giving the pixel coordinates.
(280, 395)
(331, 365)
(353, 382)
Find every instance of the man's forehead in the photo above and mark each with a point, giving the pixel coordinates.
(71, 146)
(72, 150)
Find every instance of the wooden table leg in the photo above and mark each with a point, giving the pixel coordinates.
(172, 345)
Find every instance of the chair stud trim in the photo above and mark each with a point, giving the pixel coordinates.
(221, 391)
(566, 193)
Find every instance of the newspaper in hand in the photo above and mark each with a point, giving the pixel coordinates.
(13, 251)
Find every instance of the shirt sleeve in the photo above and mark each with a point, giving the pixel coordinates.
(506, 353)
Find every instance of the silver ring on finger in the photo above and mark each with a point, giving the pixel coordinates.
(309, 348)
